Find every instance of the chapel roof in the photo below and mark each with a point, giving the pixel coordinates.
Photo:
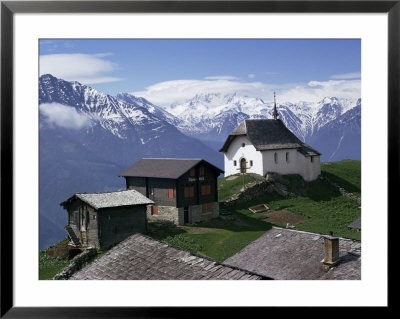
(267, 134)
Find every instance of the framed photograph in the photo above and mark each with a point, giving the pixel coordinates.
(245, 62)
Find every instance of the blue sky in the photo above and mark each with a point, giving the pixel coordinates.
(162, 69)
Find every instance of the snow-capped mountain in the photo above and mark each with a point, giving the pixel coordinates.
(211, 117)
(206, 113)
(150, 107)
(341, 137)
(88, 137)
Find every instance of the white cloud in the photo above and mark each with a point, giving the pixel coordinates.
(63, 116)
(221, 77)
(317, 90)
(178, 91)
(251, 76)
(346, 76)
(84, 68)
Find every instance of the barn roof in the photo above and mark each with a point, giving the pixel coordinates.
(111, 199)
(356, 224)
(267, 134)
(141, 257)
(163, 167)
(291, 254)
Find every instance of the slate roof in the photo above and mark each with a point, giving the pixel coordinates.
(290, 254)
(267, 134)
(111, 199)
(163, 167)
(141, 257)
(356, 224)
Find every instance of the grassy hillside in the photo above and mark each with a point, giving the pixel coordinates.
(324, 208)
(49, 266)
(320, 210)
(346, 173)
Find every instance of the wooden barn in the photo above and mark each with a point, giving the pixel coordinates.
(103, 219)
(184, 191)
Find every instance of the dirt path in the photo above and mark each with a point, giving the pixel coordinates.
(283, 217)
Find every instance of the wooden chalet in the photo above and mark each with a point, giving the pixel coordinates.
(183, 190)
(103, 219)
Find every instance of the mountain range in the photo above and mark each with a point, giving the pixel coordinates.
(87, 137)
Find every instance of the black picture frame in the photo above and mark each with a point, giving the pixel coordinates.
(9, 8)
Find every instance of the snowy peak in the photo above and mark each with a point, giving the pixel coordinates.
(122, 119)
(212, 114)
(150, 107)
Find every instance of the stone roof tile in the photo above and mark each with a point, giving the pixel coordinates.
(291, 254)
(111, 199)
(141, 257)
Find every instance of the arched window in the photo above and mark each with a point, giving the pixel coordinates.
(276, 158)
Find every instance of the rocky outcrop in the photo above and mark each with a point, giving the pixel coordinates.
(271, 183)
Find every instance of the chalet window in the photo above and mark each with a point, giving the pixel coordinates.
(205, 189)
(188, 191)
(312, 159)
(206, 208)
(171, 193)
(192, 172)
(154, 210)
(243, 145)
(201, 172)
(276, 158)
(251, 163)
(287, 157)
(234, 163)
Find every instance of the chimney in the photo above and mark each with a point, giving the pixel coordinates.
(331, 250)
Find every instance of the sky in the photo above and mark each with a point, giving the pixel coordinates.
(167, 71)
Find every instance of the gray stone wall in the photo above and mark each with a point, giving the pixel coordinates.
(176, 215)
(196, 213)
(164, 213)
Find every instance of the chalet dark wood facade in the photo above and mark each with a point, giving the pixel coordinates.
(104, 219)
(183, 190)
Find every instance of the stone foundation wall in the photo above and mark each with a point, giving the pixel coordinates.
(165, 213)
(176, 215)
(196, 213)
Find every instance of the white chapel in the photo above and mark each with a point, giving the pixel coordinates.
(264, 146)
